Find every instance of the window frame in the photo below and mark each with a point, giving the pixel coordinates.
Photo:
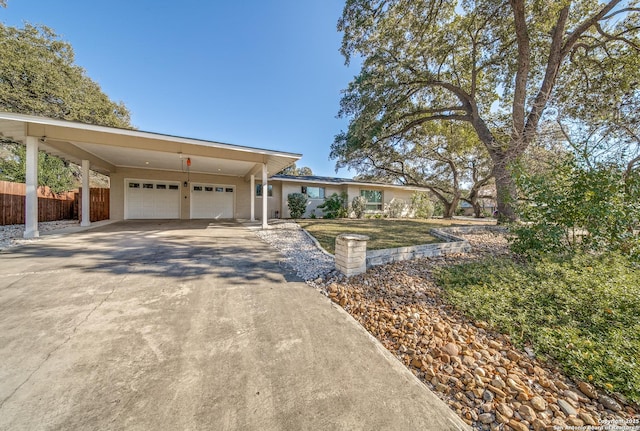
(259, 190)
(322, 193)
(373, 206)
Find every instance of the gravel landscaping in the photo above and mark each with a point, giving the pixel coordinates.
(489, 382)
(11, 235)
(299, 250)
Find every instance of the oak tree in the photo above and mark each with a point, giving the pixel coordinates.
(443, 158)
(38, 76)
(494, 64)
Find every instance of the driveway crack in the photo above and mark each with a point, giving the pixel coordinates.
(55, 349)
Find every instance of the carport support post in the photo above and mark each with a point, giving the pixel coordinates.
(86, 205)
(31, 207)
(253, 198)
(265, 196)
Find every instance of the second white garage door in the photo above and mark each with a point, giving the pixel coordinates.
(212, 201)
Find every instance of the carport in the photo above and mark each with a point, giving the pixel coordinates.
(152, 175)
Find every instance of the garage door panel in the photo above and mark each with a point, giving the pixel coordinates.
(212, 201)
(152, 199)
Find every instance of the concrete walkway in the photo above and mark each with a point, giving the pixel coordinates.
(185, 326)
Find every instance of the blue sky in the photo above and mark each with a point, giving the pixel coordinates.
(265, 74)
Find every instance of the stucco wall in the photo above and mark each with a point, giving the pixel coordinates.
(273, 203)
(388, 194)
(242, 189)
(312, 204)
(277, 203)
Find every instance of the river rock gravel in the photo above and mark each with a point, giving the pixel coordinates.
(482, 376)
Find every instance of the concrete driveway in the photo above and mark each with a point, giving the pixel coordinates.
(187, 325)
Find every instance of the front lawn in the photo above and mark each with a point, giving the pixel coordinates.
(581, 312)
(383, 233)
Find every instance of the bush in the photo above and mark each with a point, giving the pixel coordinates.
(397, 208)
(421, 205)
(359, 206)
(579, 209)
(335, 206)
(297, 203)
(438, 209)
(582, 311)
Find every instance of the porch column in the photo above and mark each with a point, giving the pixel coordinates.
(253, 198)
(265, 197)
(86, 204)
(31, 207)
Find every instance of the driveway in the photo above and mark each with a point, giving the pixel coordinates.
(188, 325)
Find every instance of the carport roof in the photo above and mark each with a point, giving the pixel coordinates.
(108, 148)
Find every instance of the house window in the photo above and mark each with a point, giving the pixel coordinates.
(259, 190)
(313, 192)
(374, 199)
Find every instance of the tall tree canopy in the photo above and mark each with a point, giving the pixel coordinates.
(444, 158)
(38, 77)
(495, 64)
(297, 171)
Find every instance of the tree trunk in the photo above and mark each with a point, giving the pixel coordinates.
(450, 207)
(506, 192)
(477, 209)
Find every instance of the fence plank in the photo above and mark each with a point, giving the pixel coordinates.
(98, 201)
(51, 206)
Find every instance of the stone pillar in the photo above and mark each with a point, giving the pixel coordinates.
(86, 193)
(351, 254)
(31, 200)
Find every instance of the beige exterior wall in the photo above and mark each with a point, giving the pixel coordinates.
(388, 194)
(242, 204)
(277, 204)
(273, 203)
(312, 205)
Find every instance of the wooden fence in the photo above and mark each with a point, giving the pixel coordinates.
(98, 204)
(51, 206)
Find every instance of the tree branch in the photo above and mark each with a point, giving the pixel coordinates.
(524, 64)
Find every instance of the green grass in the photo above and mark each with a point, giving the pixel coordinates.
(383, 233)
(581, 312)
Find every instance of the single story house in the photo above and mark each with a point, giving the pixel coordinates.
(378, 195)
(157, 176)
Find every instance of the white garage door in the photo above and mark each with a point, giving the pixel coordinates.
(152, 199)
(212, 201)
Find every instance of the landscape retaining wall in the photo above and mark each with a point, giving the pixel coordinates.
(453, 245)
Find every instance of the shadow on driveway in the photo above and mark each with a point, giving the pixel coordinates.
(188, 325)
(164, 248)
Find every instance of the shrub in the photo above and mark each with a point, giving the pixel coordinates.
(438, 209)
(335, 206)
(582, 311)
(579, 209)
(421, 205)
(359, 206)
(397, 208)
(297, 203)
